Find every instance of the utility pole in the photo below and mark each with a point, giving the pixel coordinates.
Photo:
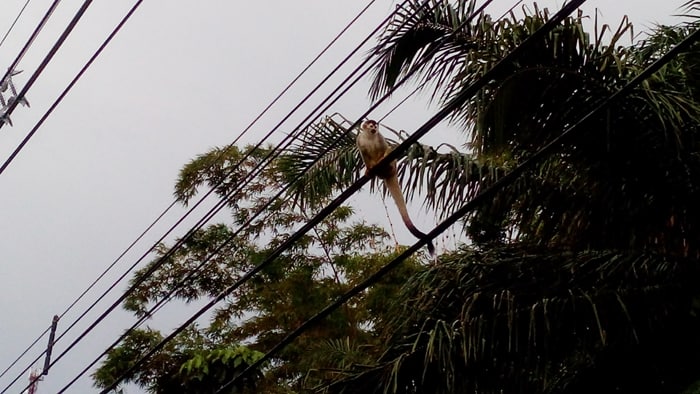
(35, 376)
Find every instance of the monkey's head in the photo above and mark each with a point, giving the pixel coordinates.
(370, 126)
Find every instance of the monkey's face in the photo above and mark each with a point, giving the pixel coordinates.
(370, 126)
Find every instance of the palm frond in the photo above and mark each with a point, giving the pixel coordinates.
(324, 160)
(445, 180)
(420, 32)
(522, 320)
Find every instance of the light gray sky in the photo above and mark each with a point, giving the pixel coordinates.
(181, 77)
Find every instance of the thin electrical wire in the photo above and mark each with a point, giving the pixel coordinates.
(36, 127)
(213, 188)
(170, 295)
(12, 26)
(47, 59)
(221, 246)
(352, 189)
(134, 243)
(352, 22)
(282, 247)
(214, 252)
(30, 41)
(25, 352)
(98, 319)
(483, 196)
(402, 102)
(221, 204)
(335, 39)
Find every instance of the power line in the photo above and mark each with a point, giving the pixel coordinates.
(285, 245)
(174, 202)
(12, 26)
(36, 127)
(210, 214)
(356, 186)
(244, 131)
(98, 319)
(6, 79)
(25, 352)
(421, 85)
(486, 194)
(30, 41)
(215, 252)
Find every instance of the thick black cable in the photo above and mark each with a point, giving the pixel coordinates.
(215, 210)
(52, 52)
(222, 202)
(35, 128)
(70, 85)
(213, 188)
(149, 313)
(286, 244)
(29, 42)
(442, 114)
(149, 272)
(486, 195)
(12, 26)
(174, 202)
(264, 111)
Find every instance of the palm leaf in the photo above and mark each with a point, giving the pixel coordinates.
(518, 319)
(444, 180)
(323, 160)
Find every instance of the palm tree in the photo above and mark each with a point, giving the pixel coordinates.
(581, 276)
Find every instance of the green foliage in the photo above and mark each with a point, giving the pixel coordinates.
(582, 276)
(339, 253)
(556, 82)
(208, 370)
(190, 364)
(324, 159)
(517, 319)
(421, 170)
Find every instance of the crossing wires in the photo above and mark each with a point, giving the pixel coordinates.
(286, 244)
(288, 140)
(353, 21)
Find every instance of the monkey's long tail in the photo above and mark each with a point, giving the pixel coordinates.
(392, 183)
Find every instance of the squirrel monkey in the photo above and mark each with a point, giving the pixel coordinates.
(373, 147)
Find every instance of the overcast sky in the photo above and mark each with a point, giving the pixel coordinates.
(181, 78)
